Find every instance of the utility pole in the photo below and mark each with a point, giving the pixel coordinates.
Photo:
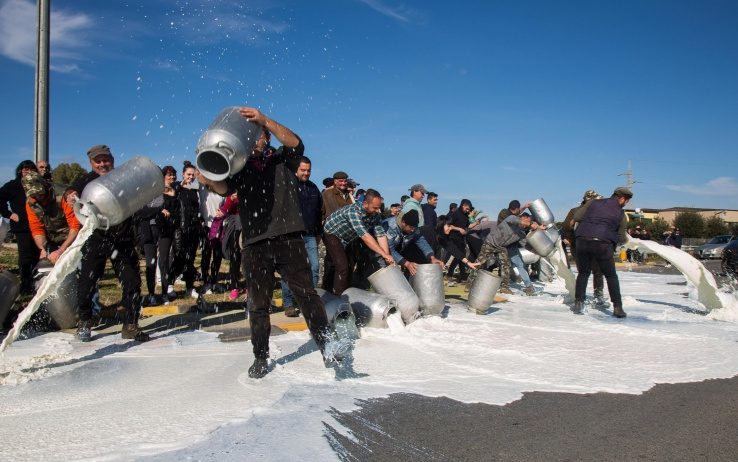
(628, 174)
(41, 131)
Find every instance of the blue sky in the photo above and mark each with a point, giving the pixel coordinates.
(489, 100)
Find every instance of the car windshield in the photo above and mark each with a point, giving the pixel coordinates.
(719, 240)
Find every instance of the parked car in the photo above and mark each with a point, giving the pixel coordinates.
(729, 265)
(713, 248)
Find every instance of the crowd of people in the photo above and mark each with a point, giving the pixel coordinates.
(270, 217)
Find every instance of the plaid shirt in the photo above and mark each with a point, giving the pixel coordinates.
(351, 222)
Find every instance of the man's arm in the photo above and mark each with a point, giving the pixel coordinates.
(285, 136)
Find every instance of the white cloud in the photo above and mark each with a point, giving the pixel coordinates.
(721, 186)
(400, 13)
(18, 34)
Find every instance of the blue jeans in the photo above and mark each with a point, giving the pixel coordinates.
(311, 246)
(517, 262)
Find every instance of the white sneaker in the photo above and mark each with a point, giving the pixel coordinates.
(170, 290)
(194, 293)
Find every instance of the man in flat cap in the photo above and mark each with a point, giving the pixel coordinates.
(417, 192)
(334, 198)
(601, 226)
(116, 243)
(568, 239)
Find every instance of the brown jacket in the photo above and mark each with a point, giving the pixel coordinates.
(333, 200)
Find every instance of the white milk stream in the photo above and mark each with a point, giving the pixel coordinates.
(695, 272)
(67, 263)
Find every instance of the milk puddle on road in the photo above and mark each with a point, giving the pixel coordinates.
(187, 395)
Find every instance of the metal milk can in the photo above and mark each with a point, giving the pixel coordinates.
(224, 148)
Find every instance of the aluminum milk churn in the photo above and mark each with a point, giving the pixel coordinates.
(121, 193)
(224, 148)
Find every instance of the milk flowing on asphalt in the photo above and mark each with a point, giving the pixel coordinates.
(695, 272)
(67, 263)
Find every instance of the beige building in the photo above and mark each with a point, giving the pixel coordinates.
(728, 216)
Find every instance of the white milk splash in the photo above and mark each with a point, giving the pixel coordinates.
(66, 264)
(695, 272)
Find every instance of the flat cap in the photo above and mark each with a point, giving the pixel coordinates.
(418, 187)
(623, 192)
(99, 150)
(339, 175)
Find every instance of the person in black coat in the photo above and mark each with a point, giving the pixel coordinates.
(12, 192)
(187, 232)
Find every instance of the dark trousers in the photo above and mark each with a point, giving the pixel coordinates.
(234, 259)
(457, 249)
(286, 255)
(212, 257)
(150, 256)
(124, 259)
(599, 280)
(341, 264)
(329, 270)
(184, 259)
(165, 250)
(592, 253)
(27, 259)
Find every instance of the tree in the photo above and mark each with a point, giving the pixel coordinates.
(691, 223)
(657, 228)
(66, 174)
(715, 226)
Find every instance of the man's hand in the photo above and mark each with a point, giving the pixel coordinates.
(472, 264)
(436, 261)
(388, 258)
(253, 115)
(14, 217)
(462, 231)
(534, 226)
(166, 213)
(411, 267)
(54, 256)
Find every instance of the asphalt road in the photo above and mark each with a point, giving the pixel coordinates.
(670, 422)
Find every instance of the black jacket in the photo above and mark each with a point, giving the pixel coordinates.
(13, 192)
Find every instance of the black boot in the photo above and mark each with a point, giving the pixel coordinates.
(578, 307)
(133, 332)
(259, 369)
(618, 312)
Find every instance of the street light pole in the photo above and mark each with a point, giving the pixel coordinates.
(41, 132)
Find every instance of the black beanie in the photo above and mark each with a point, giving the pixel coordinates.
(411, 218)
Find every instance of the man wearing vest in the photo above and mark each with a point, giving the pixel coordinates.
(602, 225)
(51, 219)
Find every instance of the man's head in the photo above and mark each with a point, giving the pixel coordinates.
(304, 169)
(432, 199)
(101, 159)
(395, 209)
(589, 195)
(36, 188)
(340, 181)
(43, 167)
(261, 144)
(525, 220)
(452, 207)
(417, 191)
(466, 206)
(372, 202)
(514, 207)
(409, 222)
(404, 198)
(328, 182)
(623, 195)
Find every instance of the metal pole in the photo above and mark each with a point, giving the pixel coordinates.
(41, 132)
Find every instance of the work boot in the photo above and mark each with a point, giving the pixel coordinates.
(618, 312)
(291, 311)
(133, 332)
(530, 290)
(84, 331)
(578, 307)
(259, 369)
(505, 290)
